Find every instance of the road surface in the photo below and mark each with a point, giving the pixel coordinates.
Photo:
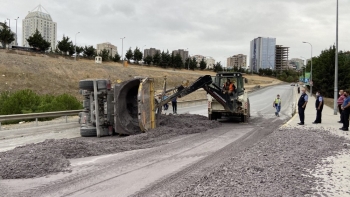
(162, 170)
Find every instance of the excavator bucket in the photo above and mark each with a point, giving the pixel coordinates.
(146, 105)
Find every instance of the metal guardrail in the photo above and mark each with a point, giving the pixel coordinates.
(38, 115)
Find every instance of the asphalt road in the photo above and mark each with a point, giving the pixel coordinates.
(163, 169)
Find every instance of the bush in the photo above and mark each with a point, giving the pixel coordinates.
(27, 101)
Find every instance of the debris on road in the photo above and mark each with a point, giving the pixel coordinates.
(279, 165)
(51, 156)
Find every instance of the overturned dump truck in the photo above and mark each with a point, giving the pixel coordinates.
(130, 107)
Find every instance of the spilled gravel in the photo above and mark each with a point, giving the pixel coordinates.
(279, 165)
(51, 156)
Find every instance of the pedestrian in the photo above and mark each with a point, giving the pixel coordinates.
(166, 106)
(301, 106)
(345, 112)
(340, 102)
(319, 107)
(298, 90)
(277, 104)
(229, 87)
(174, 104)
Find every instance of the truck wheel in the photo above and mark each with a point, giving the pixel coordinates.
(88, 132)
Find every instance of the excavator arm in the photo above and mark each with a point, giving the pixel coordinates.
(207, 84)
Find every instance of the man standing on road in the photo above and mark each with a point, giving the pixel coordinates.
(174, 104)
(301, 106)
(340, 102)
(345, 112)
(277, 104)
(319, 107)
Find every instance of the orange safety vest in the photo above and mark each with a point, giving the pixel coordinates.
(231, 87)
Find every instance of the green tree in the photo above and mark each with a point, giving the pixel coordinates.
(137, 55)
(37, 41)
(177, 61)
(89, 51)
(156, 59)
(193, 63)
(129, 54)
(6, 36)
(202, 64)
(104, 55)
(116, 57)
(166, 59)
(79, 50)
(65, 45)
(148, 60)
(218, 67)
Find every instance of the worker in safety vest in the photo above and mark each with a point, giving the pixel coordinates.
(277, 104)
(229, 87)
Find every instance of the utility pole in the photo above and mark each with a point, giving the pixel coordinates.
(16, 43)
(310, 71)
(336, 67)
(122, 48)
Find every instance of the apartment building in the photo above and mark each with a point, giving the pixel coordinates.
(112, 50)
(281, 57)
(237, 61)
(41, 21)
(150, 52)
(183, 54)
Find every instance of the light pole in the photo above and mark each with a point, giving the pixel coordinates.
(310, 71)
(336, 67)
(16, 31)
(75, 58)
(304, 68)
(9, 23)
(122, 48)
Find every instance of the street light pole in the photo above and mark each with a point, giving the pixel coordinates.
(122, 48)
(310, 71)
(16, 31)
(336, 68)
(75, 58)
(9, 23)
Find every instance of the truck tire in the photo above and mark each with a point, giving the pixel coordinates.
(88, 84)
(88, 132)
(244, 118)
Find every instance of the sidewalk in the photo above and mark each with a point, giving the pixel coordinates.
(329, 120)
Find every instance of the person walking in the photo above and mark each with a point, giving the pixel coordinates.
(302, 105)
(174, 104)
(345, 112)
(340, 102)
(277, 104)
(166, 106)
(319, 107)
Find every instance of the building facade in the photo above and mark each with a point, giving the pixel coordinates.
(210, 62)
(238, 61)
(296, 63)
(262, 53)
(183, 54)
(282, 57)
(41, 21)
(150, 52)
(108, 46)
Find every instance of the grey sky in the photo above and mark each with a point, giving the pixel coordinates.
(212, 28)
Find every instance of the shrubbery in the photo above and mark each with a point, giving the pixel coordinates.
(27, 101)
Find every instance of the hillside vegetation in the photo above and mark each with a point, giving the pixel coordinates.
(58, 75)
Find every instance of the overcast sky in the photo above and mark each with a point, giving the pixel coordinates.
(212, 28)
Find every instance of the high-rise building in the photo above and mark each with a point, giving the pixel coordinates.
(297, 63)
(150, 52)
(41, 21)
(282, 57)
(262, 53)
(183, 54)
(238, 61)
(107, 46)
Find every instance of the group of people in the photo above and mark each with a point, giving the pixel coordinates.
(343, 107)
(166, 105)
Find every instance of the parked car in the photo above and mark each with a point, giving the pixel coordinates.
(292, 84)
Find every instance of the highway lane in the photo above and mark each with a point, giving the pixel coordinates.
(160, 170)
